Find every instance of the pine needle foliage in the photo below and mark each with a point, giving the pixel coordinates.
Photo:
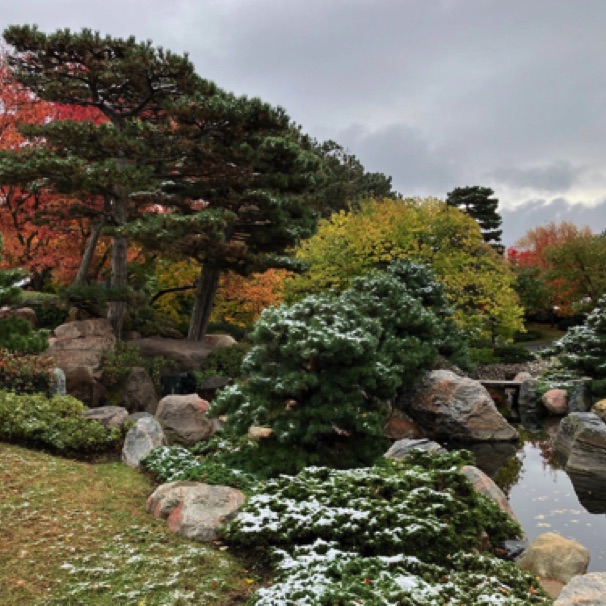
(322, 372)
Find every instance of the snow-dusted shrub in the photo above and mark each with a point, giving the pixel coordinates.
(583, 348)
(321, 373)
(395, 533)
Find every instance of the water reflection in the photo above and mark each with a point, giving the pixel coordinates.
(544, 499)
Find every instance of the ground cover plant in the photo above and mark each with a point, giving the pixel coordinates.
(55, 424)
(397, 533)
(75, 533)
(218, 462)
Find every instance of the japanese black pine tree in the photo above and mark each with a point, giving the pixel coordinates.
(129, 83)
(478, 203)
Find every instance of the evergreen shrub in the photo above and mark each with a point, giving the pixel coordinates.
(18, 335)
(583, 349)
(224, 362)
(24, 373)
(396, 533)
(322, 372)
(54, 423)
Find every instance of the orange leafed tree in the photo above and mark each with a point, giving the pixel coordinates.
(535, 252)
(44, 233)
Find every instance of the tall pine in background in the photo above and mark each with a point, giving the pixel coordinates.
(477, 202)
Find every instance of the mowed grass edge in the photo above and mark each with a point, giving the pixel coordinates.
(77, 533)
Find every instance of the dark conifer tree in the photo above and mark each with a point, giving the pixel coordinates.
(477, 202)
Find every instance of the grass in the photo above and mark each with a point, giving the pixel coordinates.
(76, 533)
(548, 333)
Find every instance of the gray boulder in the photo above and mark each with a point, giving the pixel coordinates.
(194, 510)
(402, 448)
(109, 416)
(184, 419)
(554, 557)
(77, 349)
(581, 446)
(584, 590)
(139, 394)
(141, 439)
(447, 406)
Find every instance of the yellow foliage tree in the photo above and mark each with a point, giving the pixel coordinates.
(477, 281)
(240, 300)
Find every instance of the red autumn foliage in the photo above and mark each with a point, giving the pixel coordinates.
(39, 235)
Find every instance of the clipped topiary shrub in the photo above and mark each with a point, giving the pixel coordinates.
(24, 373)
(402, 532)
(54, 423)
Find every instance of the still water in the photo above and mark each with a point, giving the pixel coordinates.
(543, 496)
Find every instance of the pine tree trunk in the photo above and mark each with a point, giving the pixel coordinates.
(87, 257)
(119, 273)
(203, 305)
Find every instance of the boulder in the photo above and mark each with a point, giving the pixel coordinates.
(580, 397)
(484, 485)
(447, 406)
(599, 409)
(554, 557)
(556, 401)
(184, 419)
(194, 510)
(139, 393)
(400, 449)
(400, 426)
(110, 416)
(584, 590)
(82, 382)
(184, 355)
(580, 445)
(141, 439)
(77, 349)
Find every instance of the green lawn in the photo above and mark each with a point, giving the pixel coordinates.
(77, 533)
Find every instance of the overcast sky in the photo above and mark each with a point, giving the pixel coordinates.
(509, 94)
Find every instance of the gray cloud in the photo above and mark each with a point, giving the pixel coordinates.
(437, 94)
(557, 177)
(517, 221)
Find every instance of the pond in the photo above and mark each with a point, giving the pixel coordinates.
(543, 496)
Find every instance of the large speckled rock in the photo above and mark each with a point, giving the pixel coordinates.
(552, 556)
(448, 406)
(184, 419)
(195, 510)
(484, 485)
(584, 590)
(141, 439)
(581, 446)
